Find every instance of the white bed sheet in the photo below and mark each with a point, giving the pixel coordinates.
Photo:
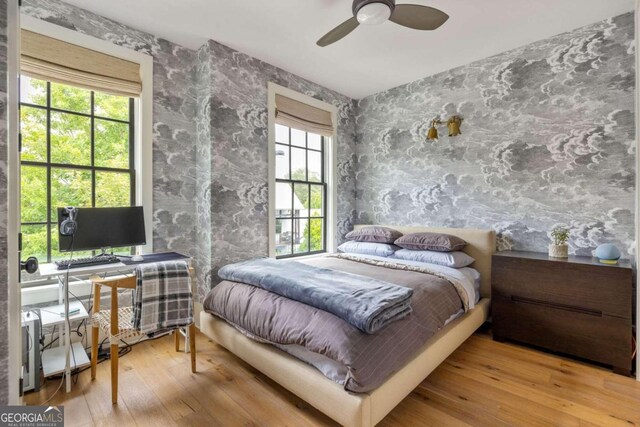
(469, 276)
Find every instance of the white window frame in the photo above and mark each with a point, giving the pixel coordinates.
(14, 304)
(330, 164)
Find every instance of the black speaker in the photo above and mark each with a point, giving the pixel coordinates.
(30, 265)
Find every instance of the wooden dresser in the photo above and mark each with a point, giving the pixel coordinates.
(576, 306)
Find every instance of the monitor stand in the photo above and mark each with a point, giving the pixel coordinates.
(104, 253)
(133, 258)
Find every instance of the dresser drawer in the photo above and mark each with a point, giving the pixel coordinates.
(600, 338)
(591, 288)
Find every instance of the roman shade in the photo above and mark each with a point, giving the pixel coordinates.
(53, 60)
(298, 115)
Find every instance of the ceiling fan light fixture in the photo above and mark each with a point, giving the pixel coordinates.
(374, 13)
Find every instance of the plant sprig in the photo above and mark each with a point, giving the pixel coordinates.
(560, 235)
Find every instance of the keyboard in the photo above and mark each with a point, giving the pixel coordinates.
(86, 262)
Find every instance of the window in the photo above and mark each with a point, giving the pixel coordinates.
(302, 173)
(76, 150)
(300, 190)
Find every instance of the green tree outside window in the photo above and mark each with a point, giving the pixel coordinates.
(76, 151)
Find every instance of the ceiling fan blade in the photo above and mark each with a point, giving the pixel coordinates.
(418, 17)
(338, 32)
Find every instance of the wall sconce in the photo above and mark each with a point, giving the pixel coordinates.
(432, 134)
(453, 124)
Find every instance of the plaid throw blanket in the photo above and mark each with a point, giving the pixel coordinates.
(163, 297)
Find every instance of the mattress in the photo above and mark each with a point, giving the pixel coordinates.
(358, 361)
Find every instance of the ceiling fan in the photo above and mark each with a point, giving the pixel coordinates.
(374, 12)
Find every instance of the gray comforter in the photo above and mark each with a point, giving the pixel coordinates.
(364, 302)
(358, 361)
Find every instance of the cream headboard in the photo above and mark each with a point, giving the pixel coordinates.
(481, 246)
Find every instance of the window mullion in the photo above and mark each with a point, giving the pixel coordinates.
(132, 174)
(292, 192)
(93, 151)
(306, 159)
(322, 159)
(309, 216)
(48, 134)
(77, 113)
(324, 193)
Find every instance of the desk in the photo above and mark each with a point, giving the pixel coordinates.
(56, 360)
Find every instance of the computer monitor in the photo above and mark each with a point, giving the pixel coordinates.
(102, 228)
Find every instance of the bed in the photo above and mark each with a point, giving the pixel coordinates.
(366, 409)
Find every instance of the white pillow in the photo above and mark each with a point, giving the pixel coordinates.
(455, 259)
(368, 248)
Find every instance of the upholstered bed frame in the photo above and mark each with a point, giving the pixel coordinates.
(365, 409)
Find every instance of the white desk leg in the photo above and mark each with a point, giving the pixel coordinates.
(60, 290)
(67, 334)
(60, 301)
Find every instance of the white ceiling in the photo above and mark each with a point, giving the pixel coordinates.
(372, 58)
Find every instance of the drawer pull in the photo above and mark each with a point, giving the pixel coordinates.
(565, 307)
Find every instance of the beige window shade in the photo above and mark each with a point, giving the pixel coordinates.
(298, 115)
(51, 59)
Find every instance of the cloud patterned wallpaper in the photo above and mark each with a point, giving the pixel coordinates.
(210, 141)
(4, 286)
(174, 107)
(204, 251)
(238, 151)
(547, 138)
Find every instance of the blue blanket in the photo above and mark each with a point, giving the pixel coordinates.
(365, 303)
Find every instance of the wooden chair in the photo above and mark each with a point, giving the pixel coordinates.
(117, 323)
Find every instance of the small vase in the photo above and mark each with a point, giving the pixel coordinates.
(559, 251)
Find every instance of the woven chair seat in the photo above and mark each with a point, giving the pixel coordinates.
(125, 324)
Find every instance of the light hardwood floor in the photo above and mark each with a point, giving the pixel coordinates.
(484, 383)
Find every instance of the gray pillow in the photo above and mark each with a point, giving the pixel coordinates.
(374, 234)
(454, 259)
(368, 248)
(431, 242)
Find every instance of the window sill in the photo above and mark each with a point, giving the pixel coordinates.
(293, 258)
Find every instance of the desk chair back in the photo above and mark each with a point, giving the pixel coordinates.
(117, 323)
